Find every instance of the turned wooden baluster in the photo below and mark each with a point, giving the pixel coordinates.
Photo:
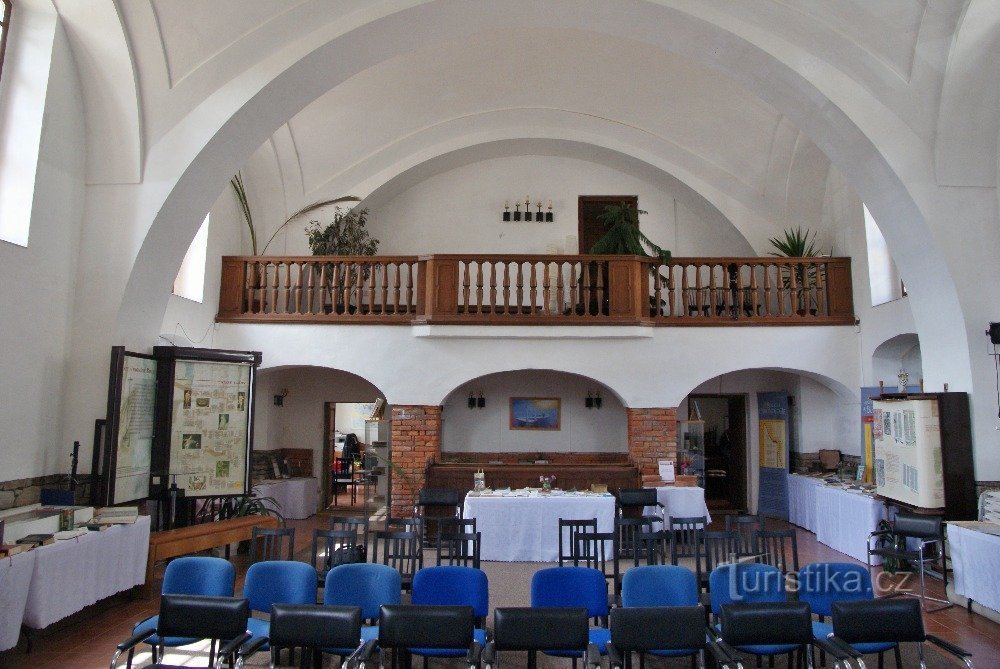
(560, 289)
(821, 296)
(466, 286)
(493, 287)
(506, 286)
(533, 288)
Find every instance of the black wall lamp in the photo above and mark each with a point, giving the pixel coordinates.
(593, 400)
(279, 400)
(477, 402)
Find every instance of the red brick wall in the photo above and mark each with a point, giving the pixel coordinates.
(416, 439)
(652, 436)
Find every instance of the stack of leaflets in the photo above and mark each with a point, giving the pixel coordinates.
(116, 515)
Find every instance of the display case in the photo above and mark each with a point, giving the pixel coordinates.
(691, 449)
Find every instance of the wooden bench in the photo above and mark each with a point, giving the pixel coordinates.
(195, 538)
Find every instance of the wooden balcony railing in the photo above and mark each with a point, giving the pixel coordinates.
(536, 289)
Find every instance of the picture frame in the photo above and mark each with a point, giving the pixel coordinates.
(535, 413)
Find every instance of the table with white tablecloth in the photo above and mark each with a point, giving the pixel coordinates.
(975, 561)
(526, 528)
(71, 574)
(15, 579)
(681, 502)
(297, 498)
(845, 518)
(802, 500)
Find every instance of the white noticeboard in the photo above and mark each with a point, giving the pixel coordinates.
(135, 431)
(906, 435)
(208, 441)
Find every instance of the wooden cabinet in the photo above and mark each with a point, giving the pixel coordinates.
(377, 437)
(691, 449)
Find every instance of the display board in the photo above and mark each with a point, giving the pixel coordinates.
(208, 434)
(129, 434)
(772, 412)
(906, 434)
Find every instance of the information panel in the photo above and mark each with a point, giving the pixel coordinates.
(208, 428)
(907, 450)
(135, 430)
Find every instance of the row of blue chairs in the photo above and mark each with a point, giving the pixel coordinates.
(369, 587)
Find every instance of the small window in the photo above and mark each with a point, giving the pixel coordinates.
(886, 285)
(190, 281)
(4, 29)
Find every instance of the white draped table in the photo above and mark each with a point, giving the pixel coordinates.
(845, 518)
(682, 502)
(15, 579)
(526, 528)
(297, 498)
(69, 575)
(975, 560)
(802, 500)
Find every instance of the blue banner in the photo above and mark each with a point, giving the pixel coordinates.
(772, 414)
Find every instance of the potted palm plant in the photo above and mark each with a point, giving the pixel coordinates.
(796, 243)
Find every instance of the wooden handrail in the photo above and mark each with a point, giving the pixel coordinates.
(485, 289)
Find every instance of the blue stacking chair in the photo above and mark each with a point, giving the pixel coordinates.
(277, 582)
(823, 583)
(574, 587)
(453, 586)
(367, 585)
(662, 586)
(194, 575)
(749, 584)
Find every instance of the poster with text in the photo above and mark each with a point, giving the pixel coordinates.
(208, 440)
(134, 446)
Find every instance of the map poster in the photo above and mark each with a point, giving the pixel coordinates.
(130, 421)
(209, 427)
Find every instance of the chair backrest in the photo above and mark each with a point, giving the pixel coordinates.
(448, 585)
(745, 583)
(447, 525)
(279, 581)
(460, 549)
(766, 623)
(636, 497)
(720, 548)
(331, 548)
(199, 575)
(659, 585)
(367, 585)
(571, 587)
(541, 628)
(687, 541)
(658, 628)
(438, 497)
(820, 584)
(314, 626)
(359, 524)
(745, 528)
(628, 530)
(878, 620)
(201, 617)
(654, 545)
(401, 550)
(425, 626)
(269, 543)
(597, 551)
(778, 548)
(918, 526)
(568, 529)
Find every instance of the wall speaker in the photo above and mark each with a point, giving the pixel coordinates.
(994, 333)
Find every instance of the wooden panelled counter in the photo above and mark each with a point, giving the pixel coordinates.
(458, 475)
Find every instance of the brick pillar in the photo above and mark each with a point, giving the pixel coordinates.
(652, 436)
(416, 440)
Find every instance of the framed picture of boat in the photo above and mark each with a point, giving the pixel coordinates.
(535, 413)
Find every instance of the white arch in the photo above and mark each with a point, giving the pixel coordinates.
(876, 152)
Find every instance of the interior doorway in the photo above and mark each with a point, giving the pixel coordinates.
(590, 228)
(726, 453)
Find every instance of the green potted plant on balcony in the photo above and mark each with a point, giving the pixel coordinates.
(796, 243)
(346, 235)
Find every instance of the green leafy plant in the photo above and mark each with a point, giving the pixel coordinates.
(623, 236)
(239, 189)
(347, 235)
(249, 505)
(796, 243)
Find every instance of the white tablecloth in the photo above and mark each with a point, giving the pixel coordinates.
(15, 579)
(297, 498)
(975, 559)
(802, 500)
(75, 573)
(683, 502)
(526, 529)
(844, 519)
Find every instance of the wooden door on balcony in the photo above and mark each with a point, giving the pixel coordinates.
(590, 227)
